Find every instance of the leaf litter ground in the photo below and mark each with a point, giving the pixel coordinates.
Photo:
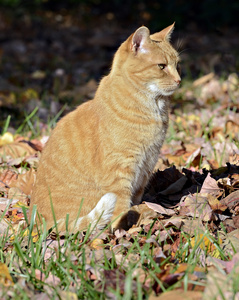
(186, 237)
(185, 242)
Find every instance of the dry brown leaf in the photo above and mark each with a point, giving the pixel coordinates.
(144, 214)
(16, 150)
(50, 279)
(193, 226)
(166, 279)
(232, 128)
(195, 158)
(232, 200)
(115, 280)
(196, 205)
(235, 179)
(210, 186)
(32, 160)
(174, 221)
(234, 159)
(216, 205)
(231, 242)
(235, 220)
(6, 177)
(229, 266)
(24, 182)
(160, 209)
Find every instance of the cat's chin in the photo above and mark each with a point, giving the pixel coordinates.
(154, 88)
(167, 93)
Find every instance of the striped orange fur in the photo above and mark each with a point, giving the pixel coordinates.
(104, 152)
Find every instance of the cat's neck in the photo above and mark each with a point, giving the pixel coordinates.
(116, 89)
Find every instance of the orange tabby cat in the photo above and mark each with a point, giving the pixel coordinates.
(105, 151)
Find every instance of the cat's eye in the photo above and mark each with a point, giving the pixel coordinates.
(162, 66)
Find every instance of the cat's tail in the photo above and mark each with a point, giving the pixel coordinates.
(100, 216)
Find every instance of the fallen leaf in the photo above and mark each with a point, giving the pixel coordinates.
(196, 205)
(232, 200)
(141, 214)
(219, 284)
(174, 221)
(24, 182)
(160, 209)
(216, 205)
(50, 279)
(97, 244)
(5, 277)
(204, 243)
(115, 280)
(235, 220)
(6, 177)
(195, 158)
(16, 150)
(229, 266)
(231, 242)
(193, 226)
(210, 186)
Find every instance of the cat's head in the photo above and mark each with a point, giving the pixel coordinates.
(150, 61)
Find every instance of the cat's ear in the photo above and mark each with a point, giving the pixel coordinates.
(164, 34)
(139, 39)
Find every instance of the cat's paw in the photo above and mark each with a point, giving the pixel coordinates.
(125, 221)
(119, 222)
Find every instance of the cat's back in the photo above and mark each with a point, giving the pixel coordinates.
(66, 156)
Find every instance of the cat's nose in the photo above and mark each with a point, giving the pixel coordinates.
(178, 81)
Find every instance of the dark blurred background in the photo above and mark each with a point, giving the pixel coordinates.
(209, 14)
(54, 52)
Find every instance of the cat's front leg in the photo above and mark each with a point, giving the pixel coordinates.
(120, 215)
(123, 217)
